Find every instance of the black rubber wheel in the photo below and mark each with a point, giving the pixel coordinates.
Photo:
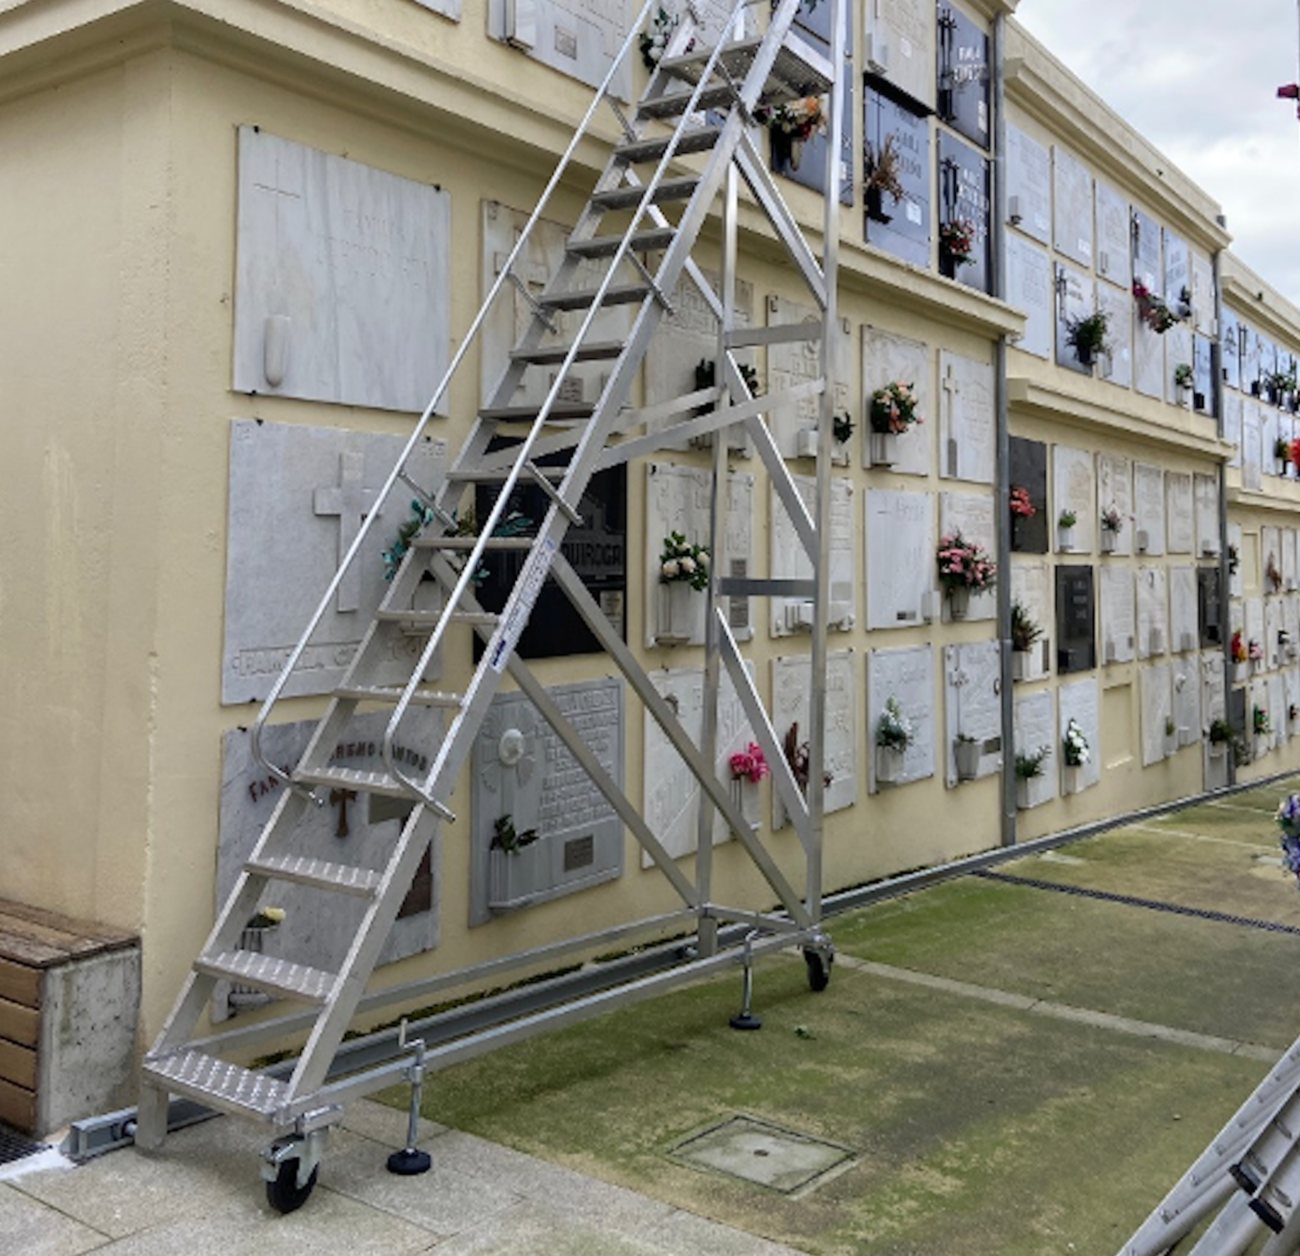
(819, 970)
(284, 1194)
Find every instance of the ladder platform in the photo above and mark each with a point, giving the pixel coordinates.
(799, 69)
(391, 693)
(216, 1083)
(318, 873)
(674, 104)
(696, 140)
(266, 972)
(355, 778)
(553, 355)
(626, 197)
(583, 298)
(560, 410)
(640, 242)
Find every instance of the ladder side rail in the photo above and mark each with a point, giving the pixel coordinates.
(782, 480)
(439, 393)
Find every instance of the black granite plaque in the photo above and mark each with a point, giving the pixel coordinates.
(812, 21)
(597, 551)
(1146, 251)
(1236, 703)
(811, 170)
(1076, 632)
(964, 197)
(1203, 374)
(1230, 349)
(1028, 462)
(963, 69)
(1208, 608)
(901, 228)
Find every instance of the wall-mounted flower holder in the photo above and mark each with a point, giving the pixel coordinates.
(1071, 779)
(1108, 540)
(1156, 641)
(1209, 549)
(1065, 540)
(1111, 653)
(966, 753)
(677, 611)
(744, 796)
(1022, 665)
(1240, 672)
(889, 765)
(958, 603)
(882, 448)
(1186, 642)
(805, 442)
(1142, 539)
(1216, 749)
(516, 877)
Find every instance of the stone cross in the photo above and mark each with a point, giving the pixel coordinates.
(952, 387)
(349, 499)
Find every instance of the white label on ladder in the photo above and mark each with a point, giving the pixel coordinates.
(514, 623)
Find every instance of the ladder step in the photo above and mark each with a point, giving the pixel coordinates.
(674, 104)
(217, 1083)
(624, 197)
(488, 619)
(464, 476)
(390, 693)
(696, 140)
(355, 778)
(581, 299)
(799, 69)
(342, 878)
(550, 355)
(560, 410)
(266, 972)
(607, 246)
(468, 542)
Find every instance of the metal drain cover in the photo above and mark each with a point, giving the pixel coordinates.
(15, 1147)
(767, 1155)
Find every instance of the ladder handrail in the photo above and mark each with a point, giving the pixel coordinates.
(295, 656)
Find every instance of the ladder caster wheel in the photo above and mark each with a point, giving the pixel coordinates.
(819, 969)
(283, 1192)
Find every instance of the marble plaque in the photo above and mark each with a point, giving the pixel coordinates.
(308, 489)
(342, 279)
(1157, 707)
(791, 683)
(1147, 265)
(1268, 433)
(1207, 515)
(1117, 362)
(1274, 627)
(907, 675)
(672, 794)
(1254, 619)
(1270, 554)
(1291, 621)
(521, 769)
(1213, 690)
(1202, 286)
(811, 170)
(888, 358)
(973, 708)
(1235, 578)
(1079, 701)
(1149, 508)
(1076, 634)
(1029, 185)
(1029, 587)
(1232, 415)
(964, 74)
(798, 362)
(677, 500)
(1178, 271)
(1208, 611)
(1250, 358)
(1072, 220)
(1178, 352)
(575, 38)
(1290, 572)
(901, 565)
(1179, 519)
(1252, 459)
(964, 194)
(1148, 361)
(1029, 289)
(1114, 239)
(1028, 463)
(1036, 729)
(687, 336)
(900, 46)
(1118, 615)
(361, 831)
(967, 429)
(1291, 697)
(1115, 490)
(787, 560)
(1072, 489)
(1187, 700)
(1230, 349)
(1076, 299)
(902, 227)
(1184, 633)
(974, 518)
(511, 314)
(1276, 691)
(1202, 375)
(1152, 612)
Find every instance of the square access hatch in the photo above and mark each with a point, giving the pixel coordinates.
(765, 1154)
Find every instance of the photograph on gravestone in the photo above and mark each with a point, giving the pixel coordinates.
(896, 178)
(1076, 631)
(541, 827)
(1028, 506)
(1029, 288)
(963, 186)
(342, 283)
(899, 49)
(576, 37)
(1230, 349)
(962, 65)
(1208, 611)
(1072, 220)
(1029, 185)
(596, 549)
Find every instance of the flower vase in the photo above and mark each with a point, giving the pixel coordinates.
(884, 448)
(947, 262)
(875, 199)
(796, 153)
(1065, 539)
(1071, 779)
(1217, 749)
(958, 601)
(967, 756)
(517, 876)
(1108, 539)
(1021, 665)
(744, 797)
(889, 765)
(1023, 799)
(676, 613)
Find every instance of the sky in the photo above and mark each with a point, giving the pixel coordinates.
(1199, 79)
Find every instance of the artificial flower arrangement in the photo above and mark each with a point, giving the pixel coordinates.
(1288, 823)
(1238, 648)
(798, 755)
(1282, 449)
(842, 427)
(965, 564)
(1074, 745)
(1255, 651)
(1294, 453)
(1234, 558)
(894, 730)
(796, 118)
(893, 408)
(421, 517)
(957, 239)
(655, 37)
(1029, 766)
(682, 560)
(1067, 519)
(1153, 310)
(504, 836)
(882, 173)
(749, 764)
(1260, 722)
(1112, 520)
(1183, 377)
(1087, 336)
(1020, 504)
(1024, 629)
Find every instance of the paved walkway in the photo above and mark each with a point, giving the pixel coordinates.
(202, 1194)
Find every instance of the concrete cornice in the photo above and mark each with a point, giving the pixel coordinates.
(1256, 499)
(1258, 303)
(1049, 401)
(990, 9)
(1046, 90)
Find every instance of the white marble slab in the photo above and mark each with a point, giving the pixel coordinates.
(1152, 612)
(900, 45)
(972, 684)
(1157, 707)
(1035, 718)
(787, 560)
(797, 362)
(1232, 419)
(974, 517)
(1115, 490)
(1184, 627)
(791, 685)
(1118, 615)
(1072, 218)
(907, 675)
(888, 358)
(1029, 289)
(1252, 454)
(1080, 701)
(1117, 363)
(1180, 518)
(901, 566)
(1274, 627)
(1031, 587)
(1186, 700)
(1149, 508)
(1073, 489)
(1270, 560)
(1203, 294)
(1114, 238)
(1148, 361)
(575, 38)
(1029, 185)
(967, 431)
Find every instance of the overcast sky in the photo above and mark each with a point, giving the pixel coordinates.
(1198, 78)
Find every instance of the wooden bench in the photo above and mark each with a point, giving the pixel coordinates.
(69, 1008)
